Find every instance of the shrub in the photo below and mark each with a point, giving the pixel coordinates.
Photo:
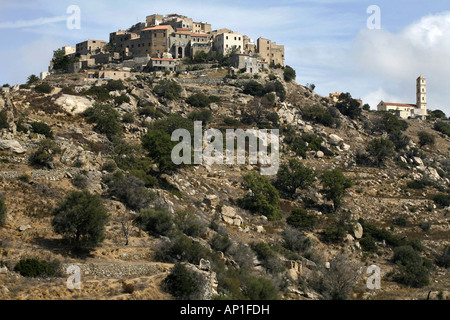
(334, 233)
(348, 106)
(391, 123)
(314, 142)
(36, 268)
(150, 111)
(122, 99)
(335, 185)
(444, 259)
(188, 223)
(168, 89)
(267, 256)
(42, 128)
(182, 283)
(130, 190)
(157, 222)
(426, 138)
(295, 241)
(100, 92)
(43, 156)
(425, 226)
(264, 197)
(81, 217)
(200, 100)
(32, 79)
(259, 288)
(115, 85)
(400, 140)
(204, 116)
(420, 184)
(3, 210)
(442, 127)
(4, 120)
(411, 269)
(442, 199)
(289, 74)
(221, 243)
(128, 287)
(254, 88)
(128, 118)
(301, 220)
(159, 146)
(105, 118)
(381, 234)
(292, 176)
(319, 114)
(380, 149)
(43, 88)
(368, 244)
(183, 248)
(401, 221)
(67, 90)
(231, 122)
(80, 181)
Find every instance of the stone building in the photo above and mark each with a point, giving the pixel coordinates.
(201, 27)
(270, 51)
(162, 64)
(244, 61)
(90, 47)
(405, 111)
(225, 42)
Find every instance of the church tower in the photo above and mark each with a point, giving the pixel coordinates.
(422, 95)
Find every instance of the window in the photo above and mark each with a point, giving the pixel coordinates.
(227, 37)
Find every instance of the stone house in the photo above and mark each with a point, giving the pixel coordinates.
(108, 74)
(270, 51)
(224, 43)
(162, 64)
(90, 47)
(245, 61)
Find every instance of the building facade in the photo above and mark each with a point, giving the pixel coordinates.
(90, 47)
(225, 43)
(270, 51)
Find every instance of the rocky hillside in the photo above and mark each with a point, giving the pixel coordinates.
(52, 143)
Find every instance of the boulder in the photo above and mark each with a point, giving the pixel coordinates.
(358, 231)
(207, 281)
(335, 139)
(418, 161)
(320, 154)
(230, 216)
(24, 227)
(73, 104)
(211, 200)
(12, 145)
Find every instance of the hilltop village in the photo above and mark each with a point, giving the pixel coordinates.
(162, 43)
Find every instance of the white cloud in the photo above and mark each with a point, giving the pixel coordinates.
(31, 23)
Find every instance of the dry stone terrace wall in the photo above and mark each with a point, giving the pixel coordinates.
(115, 270)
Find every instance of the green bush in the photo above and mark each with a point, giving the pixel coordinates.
(159, 146)
(380, 234)
(115, 85)
(204, 116)
(130, 190)
(380, 149)
(334, 185)
(100, 92)
(183, 248)
(349, 106)
(105, 118)
(128, 118)
(254, 88)
(122, 99)
(401, 221)
(264, 198)
(67, 90)
(425, 226)
(442, 199)
(220, 243)
(400, 140)
(368, 244)
(42, 128)
(289, 74)
(81, 217)
(301, 220)
(200, 100)
(259, 288)
(168, 89)
(267, 256)
(292, 176)
(157, 222)
(43, 88)
(334, 233)
(442, 127)
(188, 223)
(3, 210)
(426, 138)
(391, 123)
(36, 268)
(4, 120)
(182, 283)
(151, 111)
(319, 114)
(444, 259)
(32, 79)
(43, 156)
(411, 269)
(295, 241)
(314, 142)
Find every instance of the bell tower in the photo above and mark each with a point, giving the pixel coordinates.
(421, 95)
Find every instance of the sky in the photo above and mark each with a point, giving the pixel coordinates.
(338, 45)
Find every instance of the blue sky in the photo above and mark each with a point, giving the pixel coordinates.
(326, 41)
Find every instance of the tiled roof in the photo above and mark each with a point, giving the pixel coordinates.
(400, 104)
(160, 27)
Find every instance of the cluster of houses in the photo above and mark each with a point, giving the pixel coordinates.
(162, 42)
